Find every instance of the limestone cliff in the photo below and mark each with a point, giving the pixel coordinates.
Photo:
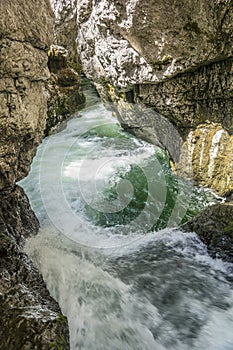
(175, 58)
(23, 70)
(64, 91)
(66, 29)
(64, 94)
(30, 318)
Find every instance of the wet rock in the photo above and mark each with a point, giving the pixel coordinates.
(63, 89)
(175, 58)
(205, 153)
(214, 226)
(30, 318)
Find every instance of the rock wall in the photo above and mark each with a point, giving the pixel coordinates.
(217, 231)
(30, 318)
(66, 29)
(23, 70)
(175, 58)
(64, 91)
(64, 94)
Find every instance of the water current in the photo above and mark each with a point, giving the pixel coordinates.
(109, 246)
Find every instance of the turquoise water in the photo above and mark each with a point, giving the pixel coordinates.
(109, 248)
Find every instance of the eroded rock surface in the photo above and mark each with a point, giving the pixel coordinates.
(207, 157)
(23, 70)
(175, 58)
(30, 318)
(66, 29)
(215, 228)
(64, 94)
(64, 89)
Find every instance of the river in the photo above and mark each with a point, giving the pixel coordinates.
(109, 248)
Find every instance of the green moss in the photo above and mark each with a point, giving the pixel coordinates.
(167, 59)
(69, 104)
(4, 238)
(60, 343)
(61, 318)
(229, 228)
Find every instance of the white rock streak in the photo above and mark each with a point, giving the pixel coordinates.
(59, 5)
(203, 143)
(130, 8)
(214, 151)
(190, 148)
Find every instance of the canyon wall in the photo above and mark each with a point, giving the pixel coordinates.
(64, 92)
(30, 318)
(171, 59)
(23, 70)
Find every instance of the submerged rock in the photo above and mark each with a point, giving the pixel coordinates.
(214, 226)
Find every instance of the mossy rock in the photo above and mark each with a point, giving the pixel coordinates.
(68, 77)
(215, 228)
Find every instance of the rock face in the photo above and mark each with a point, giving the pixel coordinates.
(215, 228)
(175, 58)
(23, 70)
(30, 318)
(66, 29)
(63, 89)
(207, 157)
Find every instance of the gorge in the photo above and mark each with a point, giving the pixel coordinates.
(108, 202)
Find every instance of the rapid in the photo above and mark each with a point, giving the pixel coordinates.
(110, 248)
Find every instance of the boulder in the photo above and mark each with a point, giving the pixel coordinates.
(214, 226)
